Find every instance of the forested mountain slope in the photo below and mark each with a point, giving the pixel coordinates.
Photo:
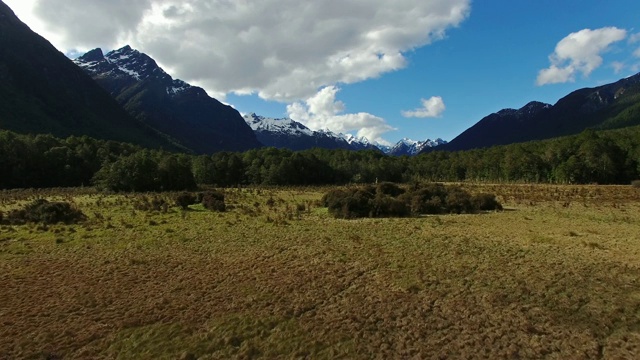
(609, 106)
(42, 91)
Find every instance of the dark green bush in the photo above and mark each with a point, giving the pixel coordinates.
(387, 206)
(485, 202)
(347, 204)
(427, 199)
(390, 200)
(388, 188)
(45, 212)
(458, 201)
(185, 199)
(213, 200)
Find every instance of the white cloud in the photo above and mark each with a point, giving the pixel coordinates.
(579, 52)
(634, 38)
(280, 49)
(637, 53)
(323, 111)
(431, 107)
(618, 66)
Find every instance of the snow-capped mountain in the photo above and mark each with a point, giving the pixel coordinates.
(290, 134)
(130, 66)
(412, 147)
(184, 112)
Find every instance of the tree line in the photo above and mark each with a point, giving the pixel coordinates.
(38, 161)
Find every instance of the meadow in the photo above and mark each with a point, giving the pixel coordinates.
(555, 275)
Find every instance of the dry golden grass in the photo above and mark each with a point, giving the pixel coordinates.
(555, 276)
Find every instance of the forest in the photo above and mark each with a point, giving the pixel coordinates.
(43, 161)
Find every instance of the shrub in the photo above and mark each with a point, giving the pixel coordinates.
(427, 199)
(45, 212)
(384, 206)
(185, 199)
(635, 183)
(388, 188)
(213, 200)
(458, 201)
(485, 202)
(388, 199)
(347, 204)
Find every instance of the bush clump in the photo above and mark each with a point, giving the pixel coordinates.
(185, 199)
(390, 200)
(348, 204)
(486, 202)
(213, 200)
(45, 212)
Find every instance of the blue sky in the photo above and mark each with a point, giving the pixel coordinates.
(470, 58)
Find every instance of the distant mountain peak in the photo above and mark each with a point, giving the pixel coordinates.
(172, 106)
(290, 134)
(411, 147)
(92, 56)
(132, 65)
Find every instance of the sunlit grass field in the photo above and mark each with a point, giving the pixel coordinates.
(556, 275)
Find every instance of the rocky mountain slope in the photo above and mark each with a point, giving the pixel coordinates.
(196, 120)
(42, 91)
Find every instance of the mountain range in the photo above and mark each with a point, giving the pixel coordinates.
(124, 95)
(290, 134)
(604, 107)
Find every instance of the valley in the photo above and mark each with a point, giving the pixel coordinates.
(554, 275)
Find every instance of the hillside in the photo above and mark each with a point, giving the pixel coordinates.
(42, 91)
(198, 121)
(609, 106)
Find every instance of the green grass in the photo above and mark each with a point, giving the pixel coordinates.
(540, 280)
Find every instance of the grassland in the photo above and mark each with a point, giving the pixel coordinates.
(556, 275)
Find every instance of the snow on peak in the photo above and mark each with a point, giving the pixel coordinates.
(408, 146)
(289, 127)
(129, 63)
(177, 86)
(407, 142)
(283, 126)
(124, 62)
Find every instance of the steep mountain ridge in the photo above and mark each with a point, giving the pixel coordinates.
(608, 106)
(290, 134)
(42, 91)
(198, 121)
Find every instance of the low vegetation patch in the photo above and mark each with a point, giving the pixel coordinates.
(185, 199)
(155, 203)
(45, 212)
(213, 200)
(391, 200)
(276, 276)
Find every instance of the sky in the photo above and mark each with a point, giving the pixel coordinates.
(386, 70)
